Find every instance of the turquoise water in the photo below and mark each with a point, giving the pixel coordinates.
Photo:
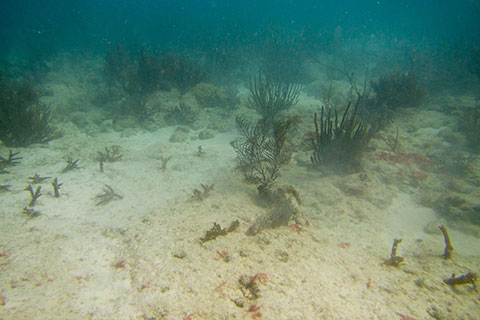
(239, 160)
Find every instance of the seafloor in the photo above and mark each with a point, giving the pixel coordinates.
(140, 257)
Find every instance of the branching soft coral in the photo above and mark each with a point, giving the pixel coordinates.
(261, 150)
(23, 119)
(339, 143)
(397, 90)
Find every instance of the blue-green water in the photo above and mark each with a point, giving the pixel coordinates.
(239, 160)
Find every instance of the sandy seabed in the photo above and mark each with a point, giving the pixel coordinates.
(140, 257)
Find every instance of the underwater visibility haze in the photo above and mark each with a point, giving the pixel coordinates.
(239, 159)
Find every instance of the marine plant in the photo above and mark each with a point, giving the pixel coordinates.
(11, 160)
(108, 195)
(394, 260)
(210, 96)
(182, 114)
(282, 58)
(392, 142)
(179, 72)
(447, 253)
(71, 165)
(269, 97)
(164, 161)
(56, 187)
(135, 76)
(200, 152)
(36, 179)
(111, 154)
(468, 278)
(144, 73)
(34, 194)
(470, 125)
(284, 202)
(338, 143)
(206, 189)
(262, 150)
(474, 62)
(217, 231)
(31, 213)
(396, 90)
(117, 66)
(249, 286)
(24, 120)
(136, 106)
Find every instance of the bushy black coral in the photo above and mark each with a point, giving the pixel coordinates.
(269, 97)
(339, 143)
(262, 150)
(23, 119)
(397, 90)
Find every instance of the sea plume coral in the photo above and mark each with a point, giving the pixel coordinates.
(23, 119)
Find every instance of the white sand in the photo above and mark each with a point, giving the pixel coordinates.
(61, 265)
(140, 257)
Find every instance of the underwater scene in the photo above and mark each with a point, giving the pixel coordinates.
(165, 160)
